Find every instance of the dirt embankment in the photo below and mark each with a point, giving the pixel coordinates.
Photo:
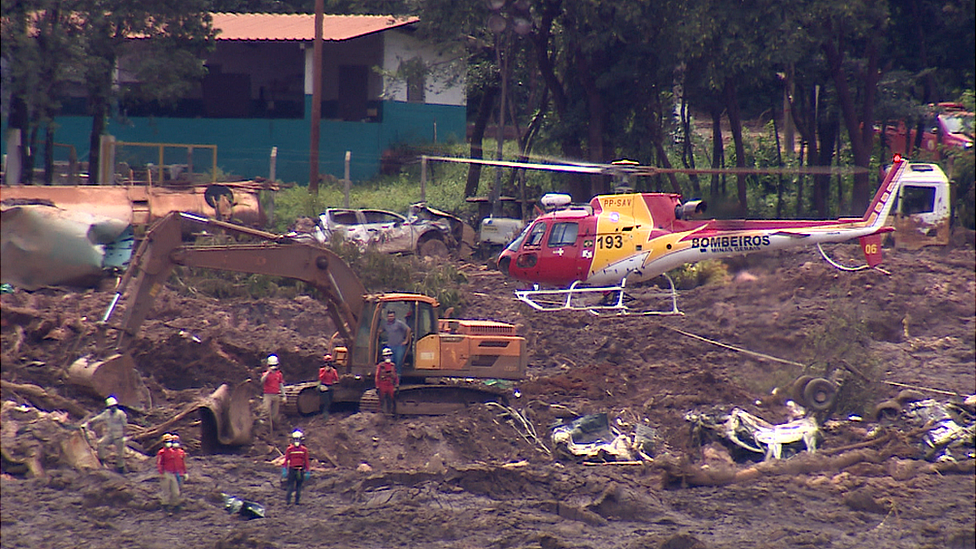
(478, 479)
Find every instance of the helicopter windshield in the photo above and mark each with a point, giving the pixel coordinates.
(517, 243)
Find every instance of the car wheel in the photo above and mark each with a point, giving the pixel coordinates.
(820, 394)
(888, 409)
(434, 248)
(796, 391)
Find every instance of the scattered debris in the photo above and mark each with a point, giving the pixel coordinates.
(47, 246)
(592, 438)
(747, 432)
(242, 507)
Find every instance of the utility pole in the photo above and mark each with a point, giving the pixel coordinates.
(313, 154)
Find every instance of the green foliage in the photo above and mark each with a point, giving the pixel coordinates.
(840, 348)
(702, 273)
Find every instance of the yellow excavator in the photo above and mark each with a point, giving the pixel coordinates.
(447, 362)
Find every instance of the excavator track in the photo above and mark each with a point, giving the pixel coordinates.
(435, 399)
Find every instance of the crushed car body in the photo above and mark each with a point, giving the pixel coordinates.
(423, 231)
(753, 436)
(592, 438)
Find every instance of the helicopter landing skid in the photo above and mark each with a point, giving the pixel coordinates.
(598, 301)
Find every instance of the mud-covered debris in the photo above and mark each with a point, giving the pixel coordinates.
(750, 435)
(950, 429)
(242, 507)
(593, 438)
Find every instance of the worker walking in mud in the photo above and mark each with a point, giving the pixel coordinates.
(387, 380)
(328, 376)
(397, 338)
(115, 422)
(273, 386)
(171, 464)
(298, 466)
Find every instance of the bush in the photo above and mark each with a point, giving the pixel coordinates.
(692, 275)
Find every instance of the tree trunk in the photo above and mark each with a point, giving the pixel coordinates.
(859, 128)
(687, 151)
(595, 125)
(827, 135)
(477, 139)
(49, 154)
(735, 123)
(99, 115)
(718, 151)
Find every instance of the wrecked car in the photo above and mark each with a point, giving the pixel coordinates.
(749, 436)
(593, 438)
(424, 231)
(949, 427)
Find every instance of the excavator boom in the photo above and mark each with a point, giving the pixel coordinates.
(163, 249)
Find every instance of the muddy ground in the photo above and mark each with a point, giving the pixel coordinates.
(472, 480)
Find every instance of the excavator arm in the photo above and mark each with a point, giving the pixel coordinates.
(163, 249)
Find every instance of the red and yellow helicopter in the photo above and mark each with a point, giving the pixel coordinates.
(598, 248)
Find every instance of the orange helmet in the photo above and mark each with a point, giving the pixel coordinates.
(167, 437)
(327, 357)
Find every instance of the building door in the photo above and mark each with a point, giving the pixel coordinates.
(353, 90)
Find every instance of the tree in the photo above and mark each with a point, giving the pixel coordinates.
(162, 44)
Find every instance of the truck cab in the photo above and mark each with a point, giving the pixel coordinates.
(922, 211)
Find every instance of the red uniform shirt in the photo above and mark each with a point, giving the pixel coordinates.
(171, 460)
(272, 382)
(296, 457)
(386, 376)
(328, 376)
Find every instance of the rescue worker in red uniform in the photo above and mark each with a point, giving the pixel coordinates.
(386, 381)
(328, 376)
(171, 464)
(273, 387)
(297, 464)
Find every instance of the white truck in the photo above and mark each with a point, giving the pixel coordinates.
(922, 213)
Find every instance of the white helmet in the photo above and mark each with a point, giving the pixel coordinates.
(387, 351)
(111, 401)
(297, 434)
(272, 360)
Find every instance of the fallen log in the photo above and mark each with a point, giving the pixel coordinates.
(43, 399)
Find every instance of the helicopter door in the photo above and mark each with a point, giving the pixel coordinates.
(560, 254)
(527, 260)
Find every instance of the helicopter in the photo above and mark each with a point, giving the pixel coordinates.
(583, 256)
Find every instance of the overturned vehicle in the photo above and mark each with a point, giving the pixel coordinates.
(423, 230)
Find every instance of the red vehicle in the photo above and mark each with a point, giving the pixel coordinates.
(947, 126)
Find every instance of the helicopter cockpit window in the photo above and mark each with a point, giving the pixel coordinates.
(563, 234)
(536, 234)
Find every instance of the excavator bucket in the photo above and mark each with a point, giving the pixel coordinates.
(115, 375)
(225, 418)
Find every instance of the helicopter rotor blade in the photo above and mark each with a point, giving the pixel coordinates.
(628, 168)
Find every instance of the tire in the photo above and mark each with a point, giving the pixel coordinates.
(796, 390)
(888, 409)
(434, 248)
(820, 394)
(909, 395)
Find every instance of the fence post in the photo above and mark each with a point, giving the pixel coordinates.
(274, 164)
(346, 180)
(106, 171)
(12, 167)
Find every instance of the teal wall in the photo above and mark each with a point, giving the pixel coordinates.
(244, 145)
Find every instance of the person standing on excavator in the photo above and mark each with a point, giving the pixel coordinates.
(387, 380)
(328, 376)
(115, 422)
(273, 384)
(397, 339)
(171, 464)
(298, 467)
